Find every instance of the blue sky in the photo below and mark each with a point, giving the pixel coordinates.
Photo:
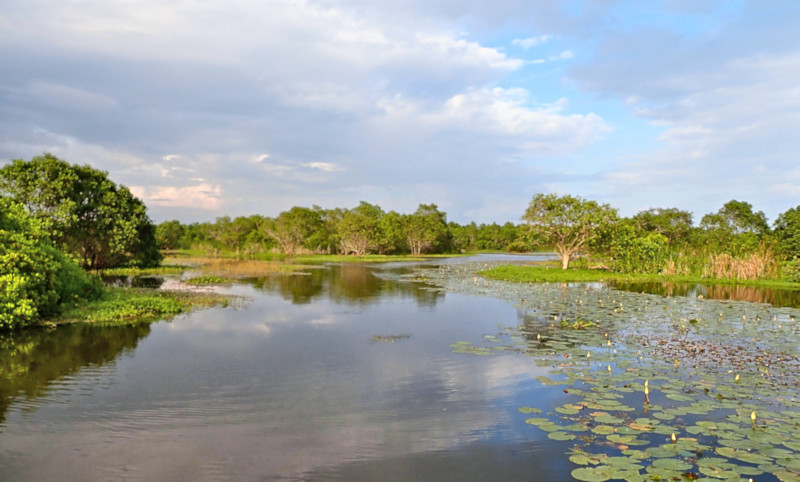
(233, 108)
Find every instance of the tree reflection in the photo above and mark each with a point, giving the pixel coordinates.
(775, 297)
(351, 283)
(32, 360)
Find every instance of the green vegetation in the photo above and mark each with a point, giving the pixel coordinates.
(87, 216)
(567, 223)
(36, 280)
(131, 271)
(362, 231)
(131, 305)
(208, 280)
(651, 387)
(544, 274)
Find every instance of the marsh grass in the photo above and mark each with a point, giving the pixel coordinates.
(752, 267)
(539, 274)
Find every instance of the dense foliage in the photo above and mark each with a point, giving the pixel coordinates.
(364, 229)
(36, 279)
(734, 242)
(87, 216)
(567, 223)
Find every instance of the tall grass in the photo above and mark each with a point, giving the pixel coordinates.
(755, 266)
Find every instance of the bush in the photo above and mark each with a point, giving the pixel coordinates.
(644, 254)
(35, 278)
(791, 270)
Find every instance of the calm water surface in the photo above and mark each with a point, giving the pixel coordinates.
(290, 387)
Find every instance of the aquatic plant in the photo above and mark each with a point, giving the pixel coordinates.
(692, 387)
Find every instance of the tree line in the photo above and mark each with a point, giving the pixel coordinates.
(654, 240)
(364, 229)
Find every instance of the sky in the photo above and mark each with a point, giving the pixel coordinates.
(212, 108)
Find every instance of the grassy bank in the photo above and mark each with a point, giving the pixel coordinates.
(544, 274)
(132, 305)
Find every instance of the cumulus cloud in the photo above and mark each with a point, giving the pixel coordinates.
(333, 101)
(203, 196)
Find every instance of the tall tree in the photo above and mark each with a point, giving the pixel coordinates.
(426, 229)
(567, 223)
(89, 217)
(293, 229)
(735, 228)
(359, 229)
(787, 232)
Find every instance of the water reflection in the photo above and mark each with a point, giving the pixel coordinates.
(775, 297)
(290, 387)
(352, 283)
(33, 360)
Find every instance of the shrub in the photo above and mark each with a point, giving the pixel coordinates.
(35, 278)
(791, 270)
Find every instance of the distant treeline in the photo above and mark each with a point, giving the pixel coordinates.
(663, 238)
(365, 229)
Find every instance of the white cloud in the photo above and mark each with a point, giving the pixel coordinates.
(530, 42)
(203, 196)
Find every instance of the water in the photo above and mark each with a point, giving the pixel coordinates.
(344, 372)
(289, 388)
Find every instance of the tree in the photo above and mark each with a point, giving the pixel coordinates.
(567, 223)
(735, 228)
(672, 223)
(293, 229)
(88, 216)
(426, 229)
(392, 233)
(359, 229)
(169, 234)
(787, 233)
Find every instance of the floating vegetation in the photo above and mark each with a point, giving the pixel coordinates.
(388, 338)
(208, 280)
(654, 387)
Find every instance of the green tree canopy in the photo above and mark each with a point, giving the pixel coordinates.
(672, 223)
(567, 223)
(88, 216)
(359, 229)
(426, 229)
(294, 229)
(787, 232)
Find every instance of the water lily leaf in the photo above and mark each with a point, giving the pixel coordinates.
(561, 435)
(537, 421)
(607, 419)
(592, 474)
(530, 410)
(679, 397)
(569, 409)
(672, 464)
(643, 427)
(786, 476)
(603, 430)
